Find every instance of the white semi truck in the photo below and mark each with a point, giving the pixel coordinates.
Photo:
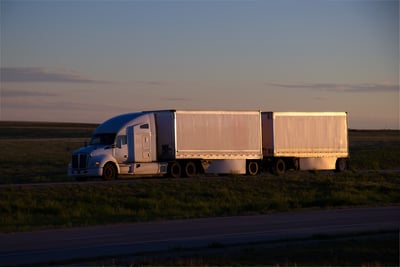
(174, 142)
(183, 143)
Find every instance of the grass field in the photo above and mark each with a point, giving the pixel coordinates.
(28, 207)
(40, 152)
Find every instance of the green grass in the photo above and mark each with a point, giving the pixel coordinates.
(40, 152)
(28, 207)
(374, 150)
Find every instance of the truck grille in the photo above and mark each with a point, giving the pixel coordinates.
(79, 161)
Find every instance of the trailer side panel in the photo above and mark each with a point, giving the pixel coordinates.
(305, 134)
(218, 134)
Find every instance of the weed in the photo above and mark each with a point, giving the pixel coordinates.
(39, 207)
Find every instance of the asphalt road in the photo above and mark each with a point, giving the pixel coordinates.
(63, 244)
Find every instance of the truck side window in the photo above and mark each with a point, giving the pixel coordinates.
(121, 140)
(144, 126)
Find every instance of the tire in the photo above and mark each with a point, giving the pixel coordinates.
(175, 169)
(341, 165)
(253, 168)
(110, 171)
(280, 167)
(190, 169)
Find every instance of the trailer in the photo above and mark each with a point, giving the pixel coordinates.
(184, 143)
(305, 141)
(179, 143)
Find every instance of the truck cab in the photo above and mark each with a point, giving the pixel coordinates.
(125, 144)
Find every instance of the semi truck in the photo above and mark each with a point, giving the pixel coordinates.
(184, 143)
(174, 142)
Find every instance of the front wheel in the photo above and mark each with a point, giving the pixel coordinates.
(110, 171)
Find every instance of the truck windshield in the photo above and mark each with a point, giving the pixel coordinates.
(103, 139)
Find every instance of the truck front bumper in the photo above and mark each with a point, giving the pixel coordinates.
(89, 172)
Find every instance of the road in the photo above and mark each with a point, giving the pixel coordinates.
(86, 242)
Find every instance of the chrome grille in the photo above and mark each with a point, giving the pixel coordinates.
(79, 161)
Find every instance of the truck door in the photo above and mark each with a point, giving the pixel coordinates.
(121, 149)
(139, 142)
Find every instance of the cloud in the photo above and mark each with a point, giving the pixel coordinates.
(320, 98)
(26, 104)
(23, 93)
(182, 99)
(37, 74)
(341, 87)
(151, 83)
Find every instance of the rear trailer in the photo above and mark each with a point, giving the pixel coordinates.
(305, 140)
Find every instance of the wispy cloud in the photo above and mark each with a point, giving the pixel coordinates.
(180, 99)
(151, 83)
(5, 92)
(340, 87)
(37, 74)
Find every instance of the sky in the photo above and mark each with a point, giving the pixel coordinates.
(89, 60)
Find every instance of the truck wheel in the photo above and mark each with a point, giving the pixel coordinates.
(190, 169)
(109, 171)
(252, 168)
(341, 165)
(175, 169)
(280, 167)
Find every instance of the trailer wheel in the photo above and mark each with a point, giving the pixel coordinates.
(252, 168)
(341, 165)
(190, 169)
(175, 169)
(109, 171)
(280, 167)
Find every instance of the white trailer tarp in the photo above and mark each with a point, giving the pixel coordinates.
(218, 134)
(305, 134)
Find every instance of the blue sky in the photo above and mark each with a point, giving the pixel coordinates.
(87, 60)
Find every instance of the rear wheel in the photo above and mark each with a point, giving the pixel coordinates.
(110, 171)
(253, 168)
(175, 169)
(280, 167)
(341, 165)
(190, 169)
